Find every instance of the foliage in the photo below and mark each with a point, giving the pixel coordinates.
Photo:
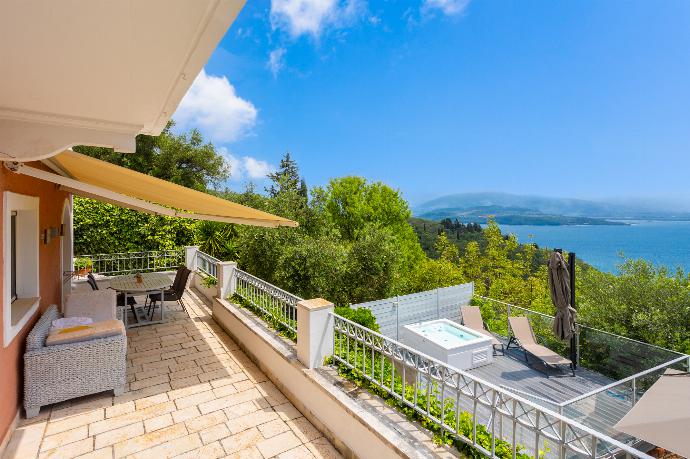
(82, 263)
(414, 402)
(357, 242)
(274, 320)
(217, 239)
(209, 281)
(183, 159)
(361, 316)
(643, 302)
(104, 228)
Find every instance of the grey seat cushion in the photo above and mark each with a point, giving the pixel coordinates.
(37, 337)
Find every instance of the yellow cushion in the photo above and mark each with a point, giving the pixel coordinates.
(79, 333)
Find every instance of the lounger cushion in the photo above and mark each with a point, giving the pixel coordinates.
(545, 354)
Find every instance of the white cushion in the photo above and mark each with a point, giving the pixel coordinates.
(98, 305)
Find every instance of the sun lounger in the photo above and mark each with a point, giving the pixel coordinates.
(472, 318)
(523, 336)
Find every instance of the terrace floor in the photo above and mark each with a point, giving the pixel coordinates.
(601, 412)
(191, 392)
(511, 371)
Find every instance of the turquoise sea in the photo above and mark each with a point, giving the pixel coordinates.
(662, 243)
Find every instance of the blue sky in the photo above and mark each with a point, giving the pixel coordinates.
(587, 99)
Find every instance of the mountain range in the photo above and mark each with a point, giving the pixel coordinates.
(512, 209)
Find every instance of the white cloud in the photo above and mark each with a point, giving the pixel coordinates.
(246, 167)
(448, 7)
(311, 17)
(276, 61)
(212, 106)
(256, 168)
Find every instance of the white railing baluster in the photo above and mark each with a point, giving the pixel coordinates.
(114, 264)
(535, 422)
(272, 301)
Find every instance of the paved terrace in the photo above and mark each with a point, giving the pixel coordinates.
(191, 393)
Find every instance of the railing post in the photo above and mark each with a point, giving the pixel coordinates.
(314, 331)
(397, 317)
(577, 345)
(634, 391)
(190, 257)
(225, 271)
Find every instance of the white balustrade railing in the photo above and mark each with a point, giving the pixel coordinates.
(497, 422)
(113, 264)
(274, 302)
(207, 264)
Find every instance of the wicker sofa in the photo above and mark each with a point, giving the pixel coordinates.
(57, 373)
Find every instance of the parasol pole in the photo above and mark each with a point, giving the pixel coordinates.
(575, 339)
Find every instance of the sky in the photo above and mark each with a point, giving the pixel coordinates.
(586, 99)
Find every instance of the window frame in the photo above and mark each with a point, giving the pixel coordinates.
(13, 255)
(21, 242)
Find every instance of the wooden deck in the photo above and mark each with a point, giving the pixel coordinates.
(512, 372)
(600, 412)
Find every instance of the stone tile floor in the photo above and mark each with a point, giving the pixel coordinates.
(191, 393)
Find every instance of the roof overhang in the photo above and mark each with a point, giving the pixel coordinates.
(100, 180)
(99, 72)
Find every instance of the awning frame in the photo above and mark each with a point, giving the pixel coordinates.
(102, 194)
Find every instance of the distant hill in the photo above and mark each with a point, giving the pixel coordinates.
(510, 209)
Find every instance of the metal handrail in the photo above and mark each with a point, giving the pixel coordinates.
(528, 395)
(625, 380)
(128, 262)
(581, 325)
(500, 401)
(207, 263)
(633, 377)
(272, 301)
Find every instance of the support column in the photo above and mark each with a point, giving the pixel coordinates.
(226, 278)
(314, 331)
(190, 257)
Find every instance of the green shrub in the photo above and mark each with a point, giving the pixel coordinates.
(361, 316)
(209, 281)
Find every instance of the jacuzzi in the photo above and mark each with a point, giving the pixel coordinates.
(449, 342)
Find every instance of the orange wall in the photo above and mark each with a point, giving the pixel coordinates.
(50, 214)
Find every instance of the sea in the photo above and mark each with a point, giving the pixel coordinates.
(661, 242)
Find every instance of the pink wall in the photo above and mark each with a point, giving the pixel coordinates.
(52, 201)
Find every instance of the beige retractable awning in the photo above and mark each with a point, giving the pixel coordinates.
(662, 415)
(93, 178)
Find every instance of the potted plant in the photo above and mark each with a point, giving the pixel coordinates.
(83, 266)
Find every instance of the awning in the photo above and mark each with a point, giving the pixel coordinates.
(662, 415)
(96, 179)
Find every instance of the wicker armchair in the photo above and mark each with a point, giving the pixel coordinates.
(54, 374)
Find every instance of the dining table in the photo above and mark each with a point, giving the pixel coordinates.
(141, 284)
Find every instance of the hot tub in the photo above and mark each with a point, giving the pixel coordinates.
(449, 342)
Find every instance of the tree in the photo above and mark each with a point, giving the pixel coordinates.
(372, 265)
(183, 159)
(220, 240)
(447, 250)
(286, 178)
(471, 266)
(104, 228)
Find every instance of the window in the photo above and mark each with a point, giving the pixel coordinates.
(20, 266)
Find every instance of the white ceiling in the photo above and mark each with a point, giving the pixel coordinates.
(99, 72)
